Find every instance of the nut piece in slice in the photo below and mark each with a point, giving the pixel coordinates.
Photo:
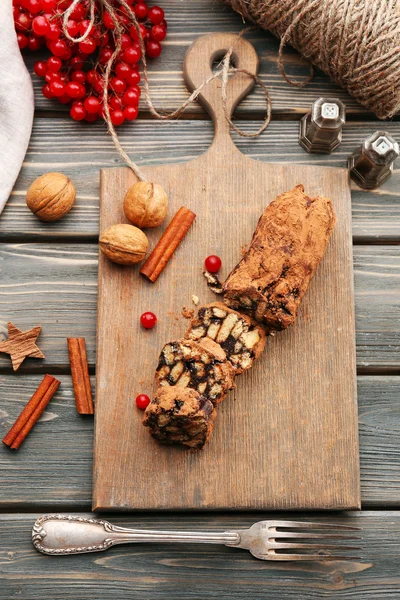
(180, 415)
(201, 366)
(51, 196)
(242, 338)
(124, 244)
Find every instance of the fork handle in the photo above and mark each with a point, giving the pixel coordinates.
(63, 534)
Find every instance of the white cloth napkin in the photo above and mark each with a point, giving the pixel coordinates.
(16, 104)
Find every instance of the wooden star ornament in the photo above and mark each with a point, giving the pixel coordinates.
(21, 344)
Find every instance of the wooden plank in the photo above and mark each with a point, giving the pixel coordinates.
(187, 21)
(194, 572)
(56, 286)
(81, 150)
(59, 451)
(307, 407)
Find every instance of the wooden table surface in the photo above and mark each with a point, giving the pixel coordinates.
(48, 276)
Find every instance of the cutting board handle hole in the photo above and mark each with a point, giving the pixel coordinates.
(216, 63)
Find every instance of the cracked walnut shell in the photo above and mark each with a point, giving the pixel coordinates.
(124, 244)
(51, 196)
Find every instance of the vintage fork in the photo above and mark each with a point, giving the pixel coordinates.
(267, 540)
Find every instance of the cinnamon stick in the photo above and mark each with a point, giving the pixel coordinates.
(80, 375)
(31, 413)
(168, 243)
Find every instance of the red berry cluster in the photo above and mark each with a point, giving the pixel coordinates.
(74, 73)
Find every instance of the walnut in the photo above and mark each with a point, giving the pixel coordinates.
(146, 204)
(51, 196)
(124, 244)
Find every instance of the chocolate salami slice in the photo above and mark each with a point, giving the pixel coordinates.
(287, 247)
(180, 415)
(242, 338)
(201, 366)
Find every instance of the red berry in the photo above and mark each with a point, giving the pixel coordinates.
(125, 41)
(78, 76)
(131, 96)
(72, 28)
(148, 320)
(47, 92)
(153, 49)
(133, 78)
(75, 90)
(131, 113)
(67, 54)
(84, 26)
(122, 70)
(34, 43)
(40, 25)
(22, 22)
(91, 117)
(40, 68)
(34, 6)
(54, 31)
(49, 77)
(105, 55)
(57, 88)
(87, 46)
(77, 112)
(142, 401)
(108, 21)
(58, 47)
(158, 33)
(22, 41)
(156, 15)
(116, 103)
(141, 10)
(76, 63)
(213, 263)
(49, 5)
(164, 23)
(92, 105)
(65, 99)
(117, 117)
(78, 13)
(132, 54)
(117, 85)
(54, 64)
(92, 76)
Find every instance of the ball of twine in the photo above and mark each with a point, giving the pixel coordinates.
(356, 42)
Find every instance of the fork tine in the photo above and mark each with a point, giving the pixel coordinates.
(313, 557)
(305, 534)
(315, 546)
(309, 525)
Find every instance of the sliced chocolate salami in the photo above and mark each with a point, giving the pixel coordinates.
(179, 415)
(202, 366)
(242, 338)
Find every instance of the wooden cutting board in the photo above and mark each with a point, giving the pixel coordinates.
(287, 437)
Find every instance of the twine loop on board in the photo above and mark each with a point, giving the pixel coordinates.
(356, 42)
(224, 70)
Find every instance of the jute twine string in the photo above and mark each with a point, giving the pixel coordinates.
(356, 42)
(224, 71)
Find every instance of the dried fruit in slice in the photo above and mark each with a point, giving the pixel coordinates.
(180, 415)
(201, 366)
(242, 338)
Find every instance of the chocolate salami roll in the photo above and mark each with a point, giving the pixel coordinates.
(287, 247)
